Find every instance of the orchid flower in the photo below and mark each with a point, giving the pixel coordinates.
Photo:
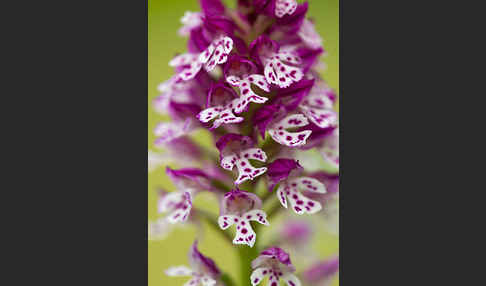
(281, 67)
(237, 150)
(241, 73)
(203, 270)
(220, 103)
(291, 186)
(275, 263)
(240, 207)
(178, 204)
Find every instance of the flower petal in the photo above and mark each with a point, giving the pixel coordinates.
(283, 7)
(259, 80)
(301, 204)
(257, 215)
(321, 117)
(193, 282)
(309, 184)
(258, 275)
(292, 139)
(208, 281)
(179, 271)
(246, 171)
(246, 96)
(281, 195)
(244, 233)
(226, 221)
(291, 279)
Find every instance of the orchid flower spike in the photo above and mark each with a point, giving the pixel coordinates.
(275, 263)
(240, 207)
(285, 172)
(203, 269)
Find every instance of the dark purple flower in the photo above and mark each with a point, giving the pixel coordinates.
(280, 169)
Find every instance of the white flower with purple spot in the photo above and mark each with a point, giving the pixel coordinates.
(283, 7)
(169, 131)
(221, 101)
(240, 208)
(291, 186)
(188, 64)
(203, 270)
(318, 105)
(178, 204)
(240, 72)
(216, 53)
(278, 131)
(281, 67)
(236, 151)
(274, 263)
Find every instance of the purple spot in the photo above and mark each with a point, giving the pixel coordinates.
(244, 231)
(298, 209)
(310, 203)
(247, 170)
(289, 138)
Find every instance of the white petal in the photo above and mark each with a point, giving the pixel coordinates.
(301, 204)
(321, 117)
(257, 275)
(208, 281)
(292, 139)
(283, 7)
(179, 271)
(244, 233)
(309, 184)
(193, 282)
(260, 81)
(291, 279)
(258, 216)
(208, 114)
(228, 162)
(255, 154)
(226, 221)
(182, 60)
(282, 197)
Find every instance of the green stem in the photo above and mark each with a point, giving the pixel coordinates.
(247, 254)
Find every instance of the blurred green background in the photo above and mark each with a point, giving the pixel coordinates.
(163, 43)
